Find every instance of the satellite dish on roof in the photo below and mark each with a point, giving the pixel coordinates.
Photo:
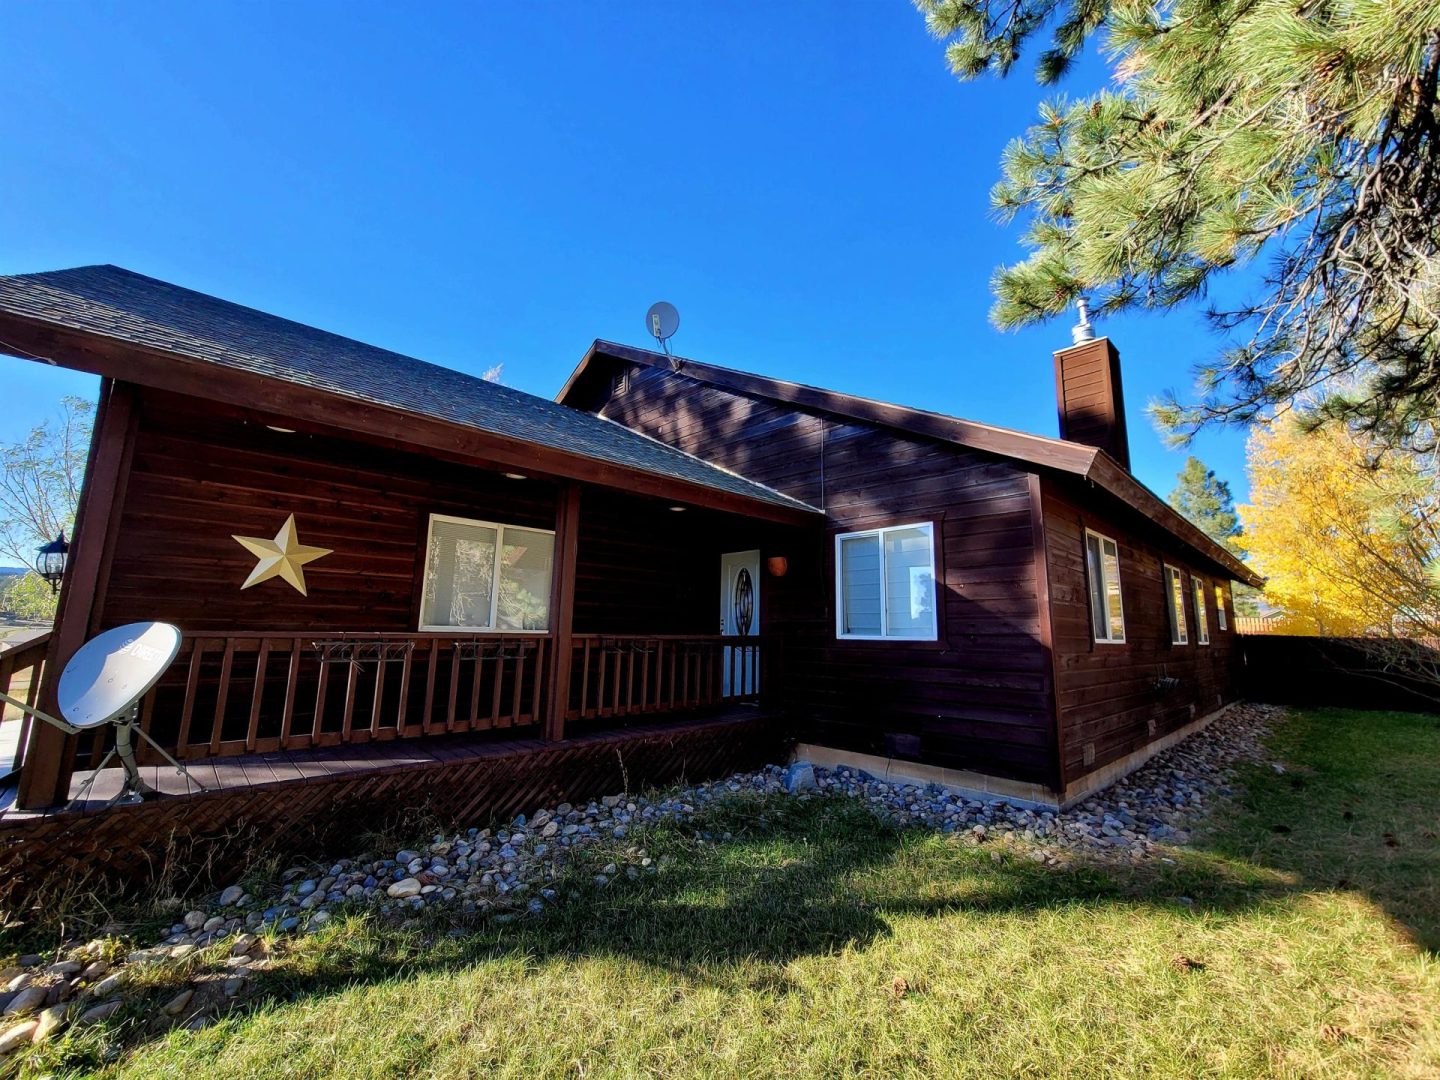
(662, 320)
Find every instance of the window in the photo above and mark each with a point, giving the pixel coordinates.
(1175, 600)
(885, 583)
(1202, 621)
(1107, 611)
(483, 576)
(1221, 619)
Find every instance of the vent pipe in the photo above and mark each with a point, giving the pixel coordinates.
(1082, 331)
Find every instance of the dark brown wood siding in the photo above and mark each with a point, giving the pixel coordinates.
(980, 697)
(200, 475)
(1111, 698)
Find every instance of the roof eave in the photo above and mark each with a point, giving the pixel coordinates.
(1036, 451)
(144, 365)
(580, 369)
(1110, 475)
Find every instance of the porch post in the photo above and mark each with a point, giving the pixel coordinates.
(562, 609)
(50, 758)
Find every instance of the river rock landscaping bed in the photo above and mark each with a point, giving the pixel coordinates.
(507, 872)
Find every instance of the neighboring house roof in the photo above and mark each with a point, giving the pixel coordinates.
(124, 306)
(1035, 451)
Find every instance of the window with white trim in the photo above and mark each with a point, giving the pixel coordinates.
(1222, 620)
(1202, 621)
(885, 583)
(1175, 601)
(1107, 608)
(480, 575)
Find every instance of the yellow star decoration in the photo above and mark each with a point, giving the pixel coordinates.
(282, 557)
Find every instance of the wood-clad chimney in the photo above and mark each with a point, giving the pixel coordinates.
(1090, 400)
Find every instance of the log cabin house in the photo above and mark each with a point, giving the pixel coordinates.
(477, 600)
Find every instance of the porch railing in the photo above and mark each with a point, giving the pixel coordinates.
(20, 669)
(259, 692)
(616, 675)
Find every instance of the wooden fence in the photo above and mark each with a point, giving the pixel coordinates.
(1253, 624)
(1355, 673)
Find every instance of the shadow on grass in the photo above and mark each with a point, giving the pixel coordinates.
(1356, 809)
(796, 879)
(805, 878)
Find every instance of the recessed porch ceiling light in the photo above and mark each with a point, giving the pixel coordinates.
(281, 430)
(515, 476)
(679, 509)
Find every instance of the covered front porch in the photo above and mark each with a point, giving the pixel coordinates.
(598, 609)
(286, 706)
(319, 723)
(458, 588)
(475, 599)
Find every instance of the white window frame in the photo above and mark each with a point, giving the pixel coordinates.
(494, 577)
(1090, 584)
(1222, 619)
(1202, 618)
(929, 527)
(1179, 624)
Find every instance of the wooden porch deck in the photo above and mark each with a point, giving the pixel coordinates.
(319, 799)
(280, 768)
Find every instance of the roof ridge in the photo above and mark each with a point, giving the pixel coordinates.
(686, 361)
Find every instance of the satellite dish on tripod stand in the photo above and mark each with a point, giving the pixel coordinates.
(104, 683)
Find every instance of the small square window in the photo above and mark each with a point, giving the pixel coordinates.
(885, 583)
(483, 576)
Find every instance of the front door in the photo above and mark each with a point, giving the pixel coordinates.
(740, 617)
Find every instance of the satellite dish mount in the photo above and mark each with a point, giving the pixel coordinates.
(104, 683)
(662, 320)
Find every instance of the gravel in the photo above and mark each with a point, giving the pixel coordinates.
(515, 867)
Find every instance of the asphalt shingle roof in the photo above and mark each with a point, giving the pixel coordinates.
(120, 304)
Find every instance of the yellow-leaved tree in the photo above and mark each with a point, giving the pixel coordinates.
(1347, 535)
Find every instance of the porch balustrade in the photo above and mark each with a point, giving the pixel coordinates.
(625, 675)
(259, 692)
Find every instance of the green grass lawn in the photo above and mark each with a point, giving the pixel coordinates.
(1300, 938)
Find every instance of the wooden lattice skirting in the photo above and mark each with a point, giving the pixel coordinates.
(211, 837)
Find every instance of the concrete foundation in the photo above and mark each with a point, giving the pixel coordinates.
(983, 787)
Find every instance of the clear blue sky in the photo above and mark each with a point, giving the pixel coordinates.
(497, 183)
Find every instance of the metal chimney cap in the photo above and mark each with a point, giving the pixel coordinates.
(1082, 331)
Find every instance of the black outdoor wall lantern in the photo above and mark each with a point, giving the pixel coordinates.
(53, 557)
